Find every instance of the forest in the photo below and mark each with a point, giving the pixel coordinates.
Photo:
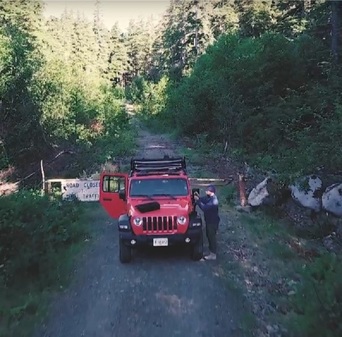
(259, 80)
(259, 77)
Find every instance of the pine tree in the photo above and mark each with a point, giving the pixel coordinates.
(21, 133)
(256, 17)
(102, 38)
(224, 17)
(187, 33)
(139, 42)
(118, 59)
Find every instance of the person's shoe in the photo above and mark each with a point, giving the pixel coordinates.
(211, 256)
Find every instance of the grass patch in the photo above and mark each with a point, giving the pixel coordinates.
(316, 307)
(281, 251)
(306, 281)
(228, 194)
(265, 227)
(248, 323)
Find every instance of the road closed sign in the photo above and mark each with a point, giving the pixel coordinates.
(83, 190)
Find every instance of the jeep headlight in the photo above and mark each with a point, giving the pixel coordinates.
(181, 220)
(137, 221)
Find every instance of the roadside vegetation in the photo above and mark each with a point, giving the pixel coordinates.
(38, 237)
(258, 82)
(292, 280)
(255, 81)
(56, 95)
(57, 89)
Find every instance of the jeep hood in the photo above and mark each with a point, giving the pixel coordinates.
(163, 207)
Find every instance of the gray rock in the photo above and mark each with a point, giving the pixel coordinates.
(339, 230)
(331, 243)
(332, 200)
(260, 195)
(268, 193)
(307, 192)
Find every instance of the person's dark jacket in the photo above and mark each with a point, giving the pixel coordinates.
(209, 206)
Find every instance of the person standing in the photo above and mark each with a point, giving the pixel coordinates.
(210, 206)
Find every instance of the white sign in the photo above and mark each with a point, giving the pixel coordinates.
(83, 190)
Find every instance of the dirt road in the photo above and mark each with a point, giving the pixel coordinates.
(161, 293)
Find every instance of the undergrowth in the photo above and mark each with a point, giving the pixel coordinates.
(304, 278)
(38, 238)
(314, 301)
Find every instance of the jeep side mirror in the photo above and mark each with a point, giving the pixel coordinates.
(195, 190)
(122, 195)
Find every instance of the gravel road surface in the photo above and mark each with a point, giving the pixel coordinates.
(161, 293)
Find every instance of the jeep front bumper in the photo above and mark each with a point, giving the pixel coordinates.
(191, 237)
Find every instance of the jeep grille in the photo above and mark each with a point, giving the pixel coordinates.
(162, 224)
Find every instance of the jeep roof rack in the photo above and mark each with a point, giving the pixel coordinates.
(161, 165)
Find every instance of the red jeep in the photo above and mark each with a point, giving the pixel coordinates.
(154, 205)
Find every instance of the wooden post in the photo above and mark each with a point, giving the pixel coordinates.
(43, 176)
(242, 189)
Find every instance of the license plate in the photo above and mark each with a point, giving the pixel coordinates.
(160, 242)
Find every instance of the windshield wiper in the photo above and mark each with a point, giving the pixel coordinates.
(164, 195)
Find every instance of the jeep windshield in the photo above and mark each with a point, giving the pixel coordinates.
(158, 187)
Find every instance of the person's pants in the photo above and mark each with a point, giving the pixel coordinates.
(211, 231)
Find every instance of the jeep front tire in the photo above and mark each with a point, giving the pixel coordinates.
(125, 253)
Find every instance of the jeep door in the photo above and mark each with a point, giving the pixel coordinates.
(113, 192)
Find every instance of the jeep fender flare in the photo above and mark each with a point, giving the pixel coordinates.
(124, 223)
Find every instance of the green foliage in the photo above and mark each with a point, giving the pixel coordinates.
(256, 17)
(36, 238)
(272, 97)
(137, 89)
(187, 30)
(33, 227)
(66, 83)
(308, 277)
(229, 194)
(19, 113)
(139, 41)
(318, 302)
(154, 97)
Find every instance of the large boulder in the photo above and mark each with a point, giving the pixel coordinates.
(261, 194)
(332, 200)
(8, 188)
(307, 192)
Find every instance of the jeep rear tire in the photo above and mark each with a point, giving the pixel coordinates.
(197, 249)
(125, 253)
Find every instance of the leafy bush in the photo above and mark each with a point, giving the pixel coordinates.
(32, 230)
(38, 237)
(318, 303)
(135, 92)
(155, 98)
(268, 96)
